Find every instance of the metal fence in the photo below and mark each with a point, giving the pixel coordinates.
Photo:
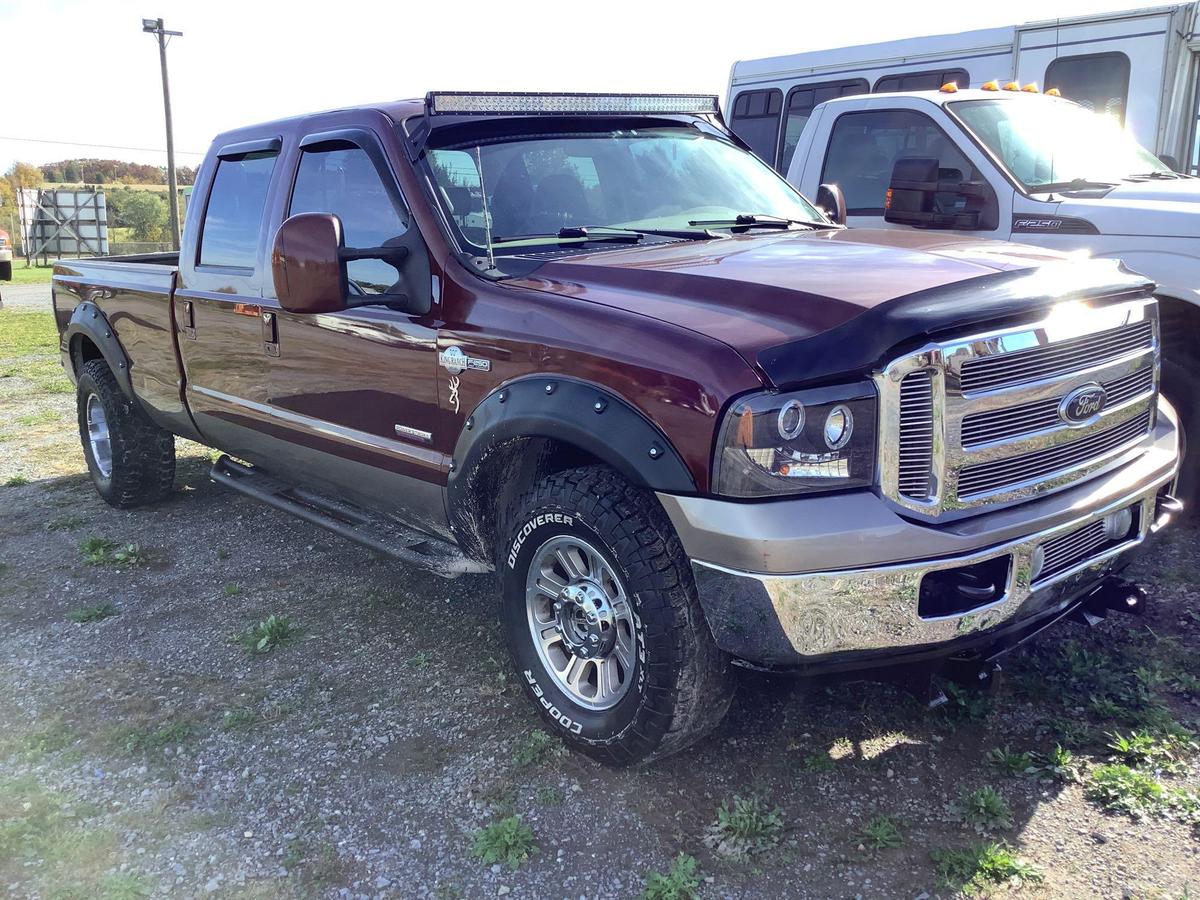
(126, 248)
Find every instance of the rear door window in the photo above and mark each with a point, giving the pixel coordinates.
(864, 146)
(233, 219)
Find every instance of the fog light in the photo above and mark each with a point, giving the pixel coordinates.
(839, 425)
(1037, 562)
(1117, 525)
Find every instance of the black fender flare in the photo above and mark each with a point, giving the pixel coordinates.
(575, 412)
(88, 320)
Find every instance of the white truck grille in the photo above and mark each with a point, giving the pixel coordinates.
(987, 419)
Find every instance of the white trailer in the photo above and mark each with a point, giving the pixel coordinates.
(1140, 66)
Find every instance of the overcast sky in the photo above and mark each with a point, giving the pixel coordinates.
(82, 71)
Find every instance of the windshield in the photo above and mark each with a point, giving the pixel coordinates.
(1046, 143)
(656, 179)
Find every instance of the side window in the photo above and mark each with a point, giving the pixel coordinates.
(341, 179)
(233, 218)
(864, 146)
(1099, 81)
(922, 81)
(801, 102)
(755, 120)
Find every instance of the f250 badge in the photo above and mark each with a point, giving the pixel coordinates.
(454, 361)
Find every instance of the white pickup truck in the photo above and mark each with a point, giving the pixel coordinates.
(1012, 164)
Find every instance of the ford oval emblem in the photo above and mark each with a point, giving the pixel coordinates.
(1082, 404)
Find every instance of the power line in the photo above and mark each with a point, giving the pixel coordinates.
(97, 146)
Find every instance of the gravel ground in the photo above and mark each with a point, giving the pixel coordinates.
(147, 752)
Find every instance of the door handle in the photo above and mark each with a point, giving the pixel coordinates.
(187, 320)
(270, 334)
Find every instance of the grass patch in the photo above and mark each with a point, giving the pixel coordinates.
(680, 882)
(266, 635)
(982, 866)
(984, 809)
(1118, 788)
(1011, 763)
(83, 614)
(143, 740)
(232, 590)
(881, 833)
(29, 352)
(27, 274)
(241, 719)
(66, 523)
(744, 828)
(536, 748)
(508, 841)
(16, 481)
(1161, 753)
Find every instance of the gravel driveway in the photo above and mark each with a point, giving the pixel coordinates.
(144, 750)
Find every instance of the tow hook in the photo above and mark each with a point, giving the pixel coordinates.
(1113, 595)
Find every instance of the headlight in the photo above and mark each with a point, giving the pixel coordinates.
(815, 440)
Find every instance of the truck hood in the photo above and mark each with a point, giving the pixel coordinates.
(766, 295)
(1145, 208)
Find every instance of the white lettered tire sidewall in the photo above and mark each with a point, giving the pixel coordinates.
(575, 722)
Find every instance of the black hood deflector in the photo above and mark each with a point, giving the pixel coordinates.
(899, 326)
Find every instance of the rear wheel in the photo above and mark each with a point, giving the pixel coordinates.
(6, 270)
(601, 617)
(131, 460)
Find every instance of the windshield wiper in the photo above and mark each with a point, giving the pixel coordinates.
(1165, 176)
(575, 234)
(758, 220)
(1075, 184)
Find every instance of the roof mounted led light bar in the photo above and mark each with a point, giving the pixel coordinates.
(504, 103)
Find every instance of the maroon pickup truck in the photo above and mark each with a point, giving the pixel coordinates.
(592, 343)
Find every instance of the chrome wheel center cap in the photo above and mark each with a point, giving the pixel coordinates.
(584, 617)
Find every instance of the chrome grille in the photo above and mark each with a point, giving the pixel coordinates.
(999, 424)
(973, 422)
(1070, 549)
(916, 435)
(1073, 355)
(989, 477)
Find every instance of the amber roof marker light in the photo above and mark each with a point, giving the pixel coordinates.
(950, 87)
(992, 85)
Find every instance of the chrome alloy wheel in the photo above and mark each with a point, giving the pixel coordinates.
(581, 622)
(97, 425)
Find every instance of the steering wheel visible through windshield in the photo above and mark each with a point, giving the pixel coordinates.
(649, 180)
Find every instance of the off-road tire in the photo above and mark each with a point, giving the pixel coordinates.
(1182, 392)
(143, 455)
(683, 683)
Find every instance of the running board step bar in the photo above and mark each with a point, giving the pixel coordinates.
(377, 531)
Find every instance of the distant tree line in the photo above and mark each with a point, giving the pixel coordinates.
(110, 171)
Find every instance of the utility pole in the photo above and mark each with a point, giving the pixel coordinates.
(155, 26)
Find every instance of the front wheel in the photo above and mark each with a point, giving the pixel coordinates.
(601, 617)
(1179, 387)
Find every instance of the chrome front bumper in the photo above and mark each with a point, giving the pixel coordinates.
(823, 611)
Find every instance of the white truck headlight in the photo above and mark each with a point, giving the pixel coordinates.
(820, 439)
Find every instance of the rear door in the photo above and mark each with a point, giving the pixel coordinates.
(218, 302)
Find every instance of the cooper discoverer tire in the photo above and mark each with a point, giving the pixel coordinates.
(131, 460)
(592, 567)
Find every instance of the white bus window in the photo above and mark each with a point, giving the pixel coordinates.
(802, 100)
(755, 120)
(1097, 81)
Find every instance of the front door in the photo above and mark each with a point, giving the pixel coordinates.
(354, 393)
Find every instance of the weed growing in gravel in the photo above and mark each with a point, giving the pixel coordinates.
(266, 635)
(49, 739)
(818, 763)
(984, 809)
(537, 747)
(239, 719)
(966, 704)
(1059, 764)
(880, 833)
(507, 840)
(1010, 762)
(16, 481)
(98, 551)
(744, 828)
(501, 797)
(138, 740)
(84, 614)
(976, 868)
(1118, 788)
(680, 882)
(419, 660)
(232, 590)
(66, 523)
(1166, 753)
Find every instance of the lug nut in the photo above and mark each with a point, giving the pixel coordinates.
(594, 639)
